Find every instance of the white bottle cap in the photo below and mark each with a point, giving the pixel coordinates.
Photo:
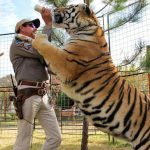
(38, 8)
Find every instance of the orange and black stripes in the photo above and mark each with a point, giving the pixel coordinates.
(106, 98)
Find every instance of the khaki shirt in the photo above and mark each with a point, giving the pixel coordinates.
(27, 63)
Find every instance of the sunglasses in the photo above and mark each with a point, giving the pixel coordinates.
(29, 24)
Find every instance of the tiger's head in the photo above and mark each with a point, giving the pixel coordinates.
(74, 18)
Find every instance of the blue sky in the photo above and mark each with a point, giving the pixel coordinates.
(12, 11)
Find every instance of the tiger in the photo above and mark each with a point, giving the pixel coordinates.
(88, 76)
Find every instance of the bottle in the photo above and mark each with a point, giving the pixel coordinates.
(38, 8)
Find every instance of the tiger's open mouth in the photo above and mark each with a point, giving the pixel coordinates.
(58, 18)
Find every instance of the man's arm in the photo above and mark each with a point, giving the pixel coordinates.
(47, 17)
(47, 30)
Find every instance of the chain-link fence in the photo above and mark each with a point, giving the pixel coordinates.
(128, 45)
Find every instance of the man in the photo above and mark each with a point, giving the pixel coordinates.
(31, 75)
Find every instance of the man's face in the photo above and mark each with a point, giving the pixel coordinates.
(28, 29)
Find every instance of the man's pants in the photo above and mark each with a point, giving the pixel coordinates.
(44, 112)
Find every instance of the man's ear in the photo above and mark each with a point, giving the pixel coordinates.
(21, 28)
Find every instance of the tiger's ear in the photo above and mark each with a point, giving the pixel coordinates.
(87, 10)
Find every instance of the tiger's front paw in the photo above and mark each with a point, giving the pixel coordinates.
(39, 40)
(24, 38)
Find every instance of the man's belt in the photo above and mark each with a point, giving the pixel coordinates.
(28, 92)
(30, 83)
(22, 95)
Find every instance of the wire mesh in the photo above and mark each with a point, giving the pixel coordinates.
(123, 43)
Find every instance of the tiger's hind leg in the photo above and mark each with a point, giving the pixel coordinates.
(144, 143)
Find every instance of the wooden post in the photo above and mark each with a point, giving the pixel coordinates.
(84, 144)
(5, 105)
(148, 49)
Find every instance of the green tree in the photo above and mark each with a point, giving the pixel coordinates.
(56, 3)
(145, 62)
(124, 15)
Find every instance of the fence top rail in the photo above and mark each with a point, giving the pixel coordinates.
(6, 34)
(6, 89)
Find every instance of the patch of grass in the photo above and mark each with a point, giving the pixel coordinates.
(69, 142)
